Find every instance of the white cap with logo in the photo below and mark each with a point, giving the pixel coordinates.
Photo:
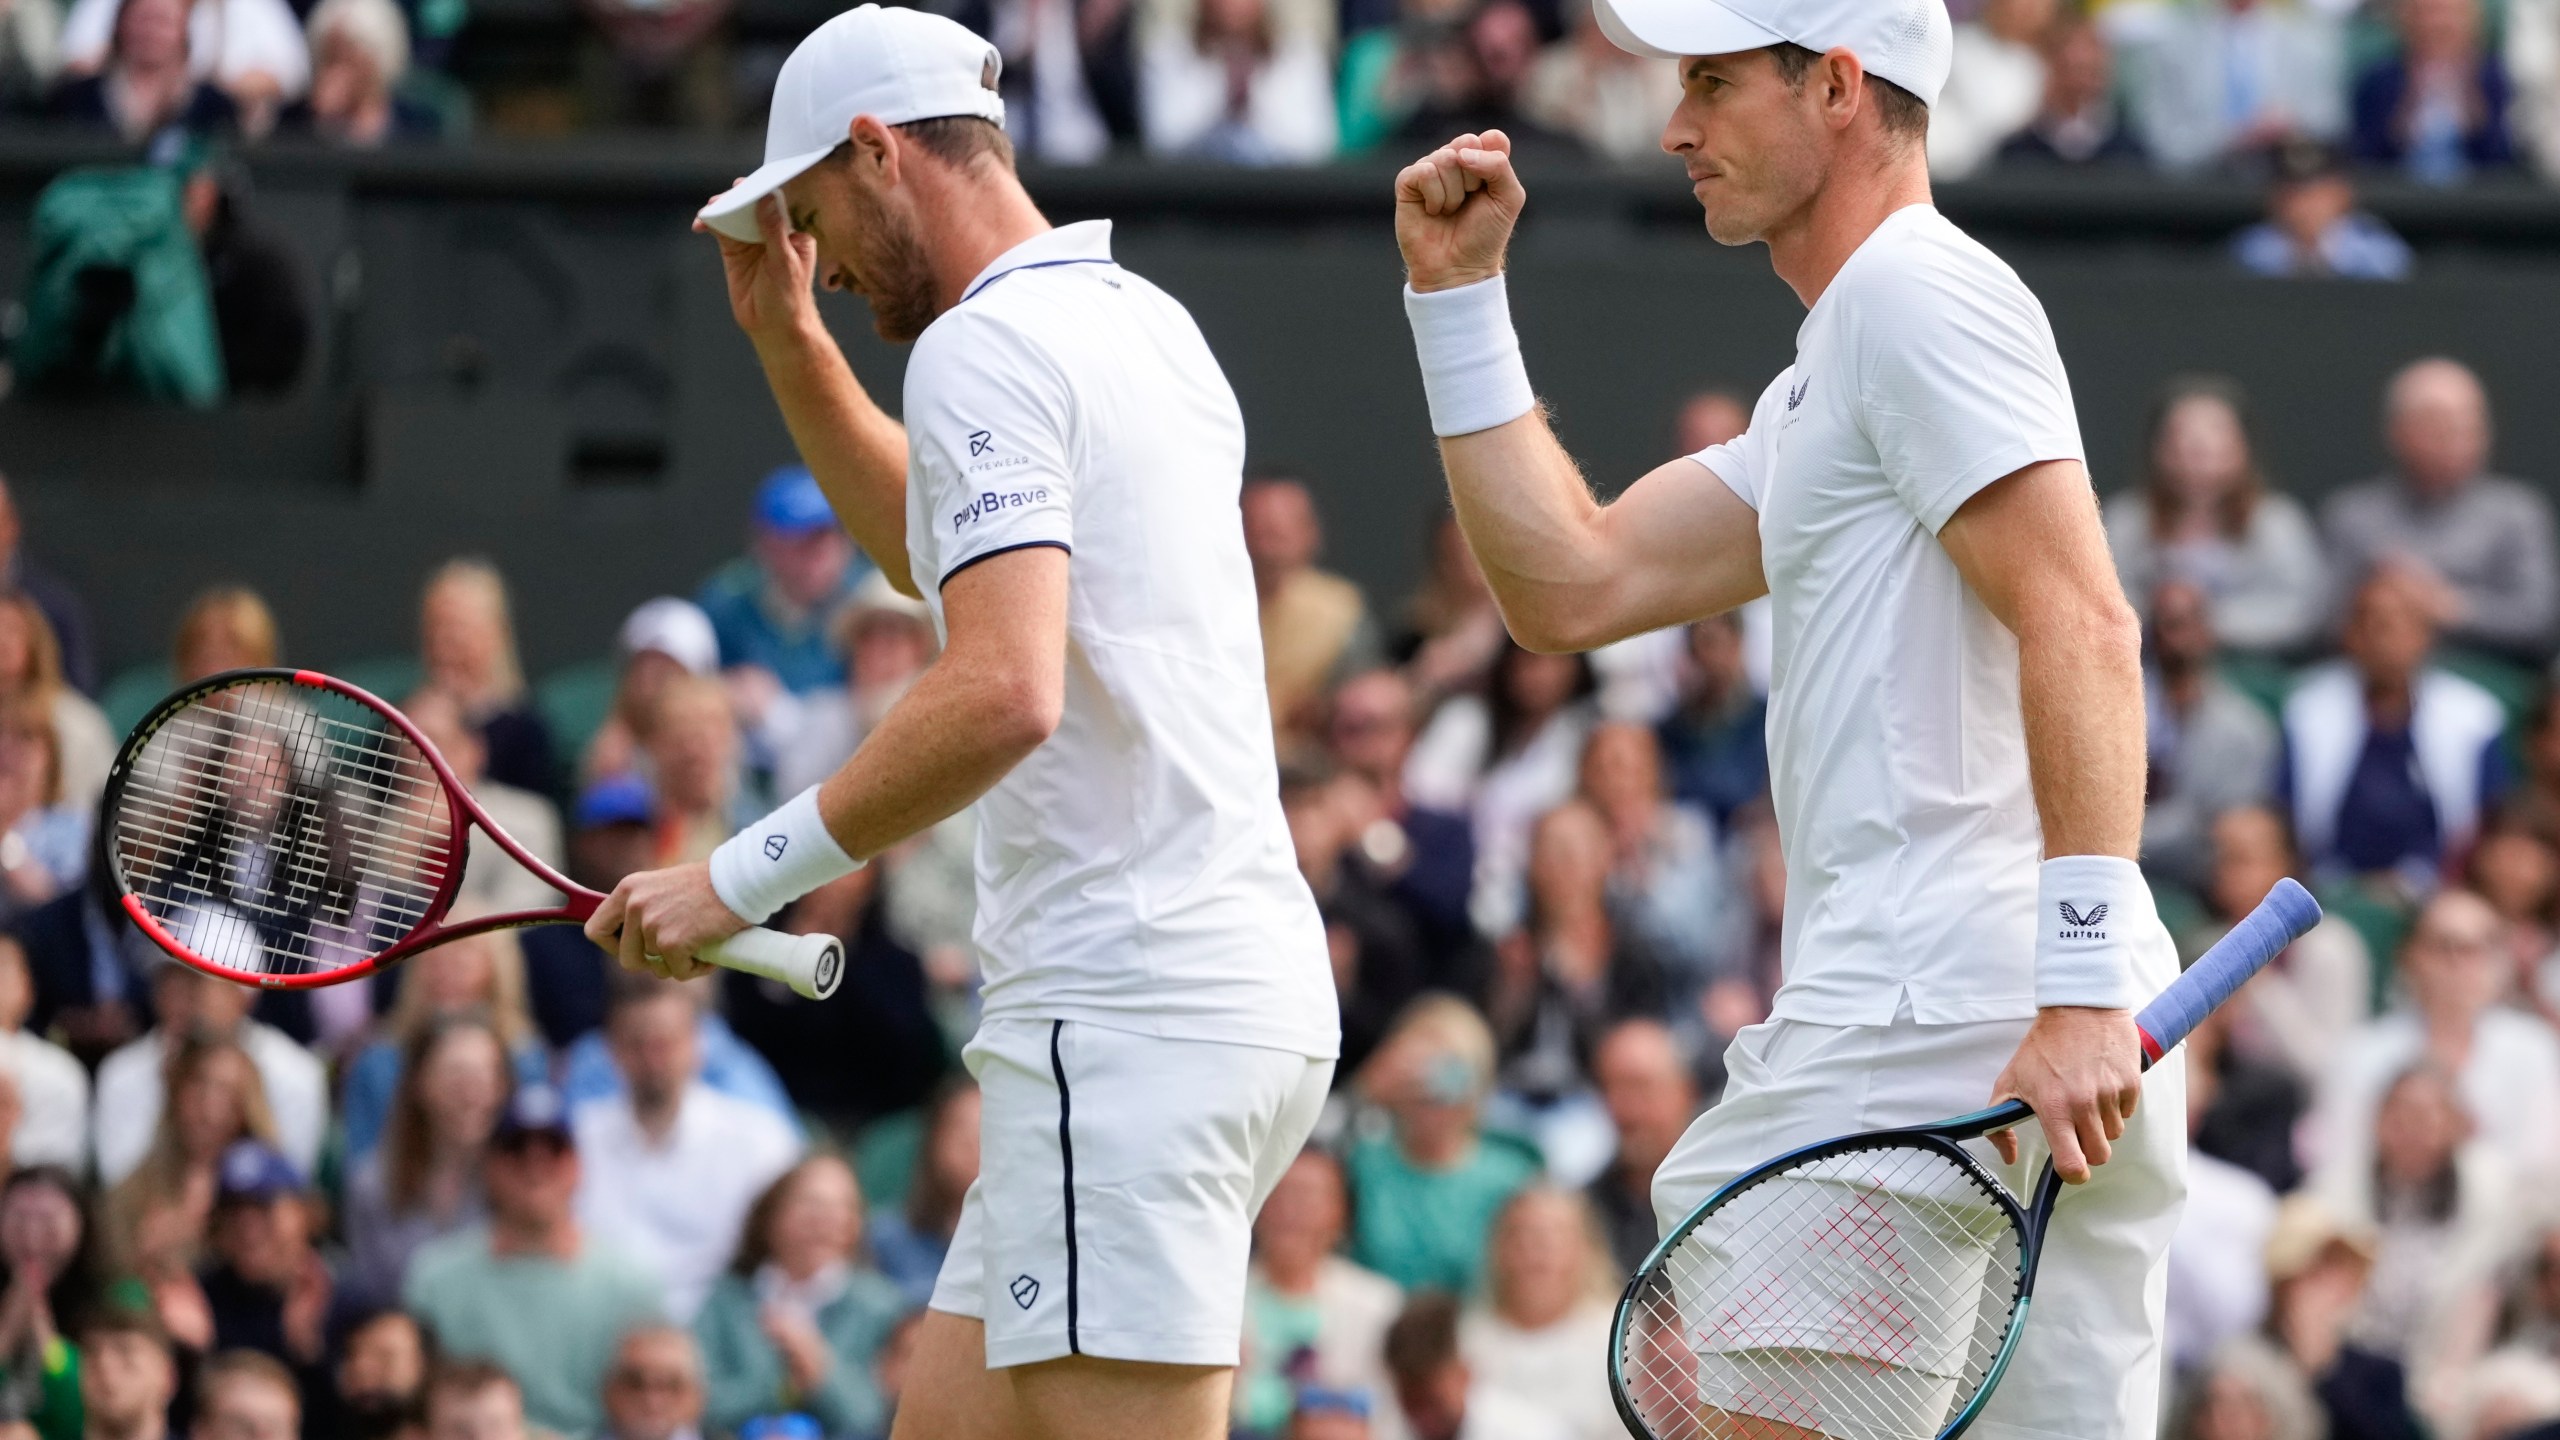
(896, 65)
(1909, 42)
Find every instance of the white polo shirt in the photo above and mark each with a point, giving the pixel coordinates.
(1897, 756)
(1135, 871)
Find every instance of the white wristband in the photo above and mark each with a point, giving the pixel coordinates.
(778, 859)
(2090, 910)
(1471, 369)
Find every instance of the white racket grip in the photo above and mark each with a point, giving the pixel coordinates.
(812, 965)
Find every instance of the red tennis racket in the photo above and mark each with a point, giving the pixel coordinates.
(283, 829)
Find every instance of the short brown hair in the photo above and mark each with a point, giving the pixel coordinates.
(1424, 1339)
(1903, 113)
(468, 1378)
(248, 1365)
(960, 139)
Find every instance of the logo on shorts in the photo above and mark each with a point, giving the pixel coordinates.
(980, 442)
(1025, 1290)
(1795, 397)
(2080, 926)
(774, 845)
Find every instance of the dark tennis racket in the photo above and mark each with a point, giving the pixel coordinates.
(283, 829)
(1871, 1287)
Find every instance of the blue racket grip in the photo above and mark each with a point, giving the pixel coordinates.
(2280, 919)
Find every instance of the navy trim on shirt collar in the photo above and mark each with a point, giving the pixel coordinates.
(1034, 265)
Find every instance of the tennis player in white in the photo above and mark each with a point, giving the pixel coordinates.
(1159, 1025)
(1956, 715)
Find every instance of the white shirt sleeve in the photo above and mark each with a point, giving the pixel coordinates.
(1742, 462)
(1959, 381)
(990, 436)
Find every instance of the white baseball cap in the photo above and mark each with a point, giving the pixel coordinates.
(896, 65)
(1909, 42)
(676, 629)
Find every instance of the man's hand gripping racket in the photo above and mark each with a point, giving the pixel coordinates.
(1871, 1287)
(283, 829)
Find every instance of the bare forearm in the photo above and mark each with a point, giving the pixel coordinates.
(1528, 516)
(945, 743)
(2080, 687)
(856, 451)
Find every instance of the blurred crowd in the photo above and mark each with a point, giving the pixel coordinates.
(506, 1189)
(2434, 90)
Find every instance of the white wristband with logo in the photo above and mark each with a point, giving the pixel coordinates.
(2089, 911)
(778, 859)
(1471, 370)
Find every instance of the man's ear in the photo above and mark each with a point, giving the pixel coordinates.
(875, 146)
(1841, 77)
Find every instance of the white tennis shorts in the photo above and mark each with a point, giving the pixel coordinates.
(2088, 1366)
(1117, 1185)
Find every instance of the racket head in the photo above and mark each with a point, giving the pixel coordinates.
(1871, 1287)
(282, 828)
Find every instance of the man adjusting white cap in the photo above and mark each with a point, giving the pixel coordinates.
(897, 66)
(1909, 42)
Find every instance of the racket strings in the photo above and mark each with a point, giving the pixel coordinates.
(1863, 1295)
(275, 828)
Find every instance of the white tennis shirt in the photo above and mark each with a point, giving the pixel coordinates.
(1135, 871)
(1897, 756)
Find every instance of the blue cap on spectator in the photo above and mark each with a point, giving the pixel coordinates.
(782, 1427)
(790, 501)
(1319, 1400)
(616, 800)
(536, 1109)
(254, 1172)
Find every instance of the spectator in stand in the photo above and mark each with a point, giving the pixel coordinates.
(147, 81)
(2207, 515)
(246, 1395)
(1506, 757)
(2217, 1270)
(423, 1181)
(251, 49)
(566, 975)
(1425, 1194)
(2248, 1390)
(1716, 745)
(475, 1400)
(1666, 877)
(266, 1287)
(157, 1219)
(2317, 1264)
(261, 310)
(2314, 228)
(1549, 1293)
(63, 608)
(1453, 630)
(1379, 958)
(1069, 83)
(52, 1085)
(128, 1374)
(775, 609)
(31, 671)
(909, 1242)
(800, 1318)
(1383, 67)
(1993, 87)
(197, 1009)
(661, 640)
(2297, 1011)
(2536, 801)
(2447, 1221)
(531, 1286)
(1311, 1317)
(2437, 110)
(1237, 88)
(2507, 1063)
(44, 834)
(478, 979)
(728, 1064)
(378, 1389)
(2211, 747)
(1439, 1393)
(30, 54)
(1475, 77)
(1708, 419)
(359, 52)
(1607, 98)
(887, 640)
(695, 763)
(2389, 762)
(2079, 122)
(225, 628)
(491, 879)
(1575, 967)
(1651, 1096)
(467, 643)
(654, 1390)
(671, 1166)
(1316, 629)
(2224, 81)
(2478, 545)
(2518, 873)
(1424, 856)
(52, 1280)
